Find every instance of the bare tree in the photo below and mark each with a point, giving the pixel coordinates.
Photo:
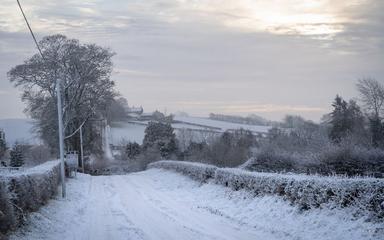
(372, 95)
(37, 154)
(84, 70)
(184, 137)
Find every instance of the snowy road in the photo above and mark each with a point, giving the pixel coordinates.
(158, 205)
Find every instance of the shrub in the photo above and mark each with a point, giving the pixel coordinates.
(132, 150)
(196, 152)
(151, 154)
(37, 154)
(26, 191)
(352, 160)
(7, 215)
(229, 150)
(346, 158)
(160, 135)
(17, 156)
(269, 159)
(197, 171)
(364, 196)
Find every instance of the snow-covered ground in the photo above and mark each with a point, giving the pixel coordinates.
(130, 132)
(21, 129)
(222, 125)
(158, 204)
(134, 131)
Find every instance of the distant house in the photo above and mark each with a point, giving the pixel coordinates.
(146, 117)
(135, 112)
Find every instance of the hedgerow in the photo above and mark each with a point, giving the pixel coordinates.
(197, 171)
(365, 196)
(25, 192)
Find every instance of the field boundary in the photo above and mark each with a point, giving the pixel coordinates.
(365, 196)
(26, 191)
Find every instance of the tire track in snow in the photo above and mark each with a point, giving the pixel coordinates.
(161, 205)
(183, 213)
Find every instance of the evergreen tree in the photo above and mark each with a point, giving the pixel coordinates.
(346, 119)
(3, 148)
(355, 119)
(377, 131)
(160, 135)
(338, 123)
(132, 150)
(17, 156)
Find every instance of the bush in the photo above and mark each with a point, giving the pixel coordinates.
(271, 160)
(229, 150)
(26, 191)
(346, 158)
(352, 160)
(132, 150)
(197, 171)
(17, 155)
(196, 152)
(151, 154)
(160, 135)
(364, 196)
(37, 154)
(7, 215)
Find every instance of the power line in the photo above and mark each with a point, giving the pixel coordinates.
(59, 105)
(30, 29)
(59, 112)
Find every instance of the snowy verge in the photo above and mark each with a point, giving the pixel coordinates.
(197, 171)
(159, 204)
(26, 191)
(364, 195)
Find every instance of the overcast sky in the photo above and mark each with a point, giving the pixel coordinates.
(265, 57)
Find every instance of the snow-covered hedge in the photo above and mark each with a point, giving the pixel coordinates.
(26, 191)
(365, 195)
(197, 171)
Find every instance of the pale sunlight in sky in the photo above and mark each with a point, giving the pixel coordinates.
(267, 57)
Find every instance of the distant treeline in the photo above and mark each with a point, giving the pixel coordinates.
(251, 119)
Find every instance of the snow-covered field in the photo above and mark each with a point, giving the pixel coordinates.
(21, 129)
(134, 131)
(159, 204)
(127, 132)
(222, 125)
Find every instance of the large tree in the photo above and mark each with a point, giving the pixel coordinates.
(346, 120)
(372, 95)
(87, 90)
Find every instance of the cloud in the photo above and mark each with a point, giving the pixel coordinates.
(270, 108)
(249, 107)
(134, 73)
(317, 19)
(296, 17)
(272, 57)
